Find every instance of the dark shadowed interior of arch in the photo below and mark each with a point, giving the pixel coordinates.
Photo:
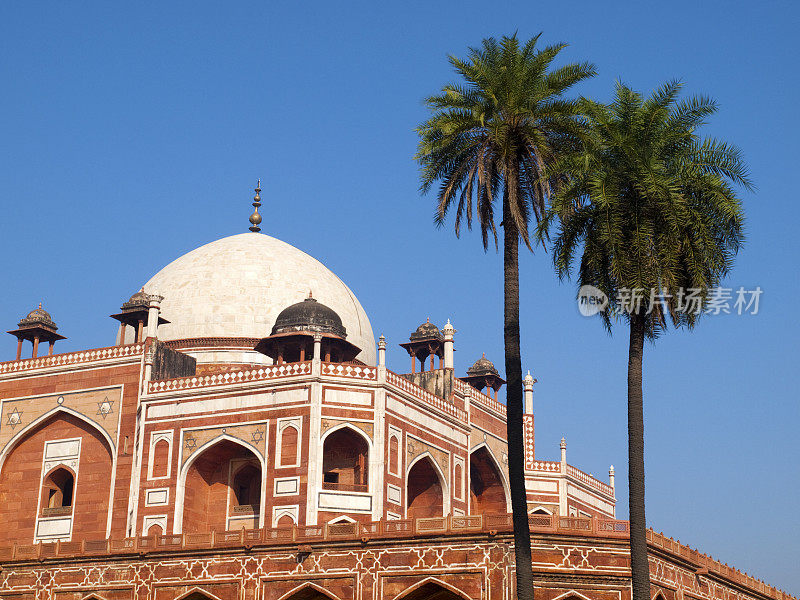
(196, 595)
(345, 457)
(309, 593)
(57, 489)
(223, 489)
(487, 494)
(425, 498)
(431, 591)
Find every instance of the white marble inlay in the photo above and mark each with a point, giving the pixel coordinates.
(287, 486)
(62, 449)
(46, 528)
(157, 497)
(345, 502)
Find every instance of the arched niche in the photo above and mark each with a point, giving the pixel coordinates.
(345, 461)
(486, 484)
(424, 490)
(432, 590)
(24, 471)
(223, 487)
(309, 591)
(57, 491)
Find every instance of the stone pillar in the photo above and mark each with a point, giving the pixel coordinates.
(448, 331)
(35, 346)
(382, 351)
(316, 362)
(611, 476)
(153, 311)
(528, 385)
(121, 335)
(50, 349)
(19, 348)
(563, 456)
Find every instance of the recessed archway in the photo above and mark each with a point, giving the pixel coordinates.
(77, 489)
(486, 484)
(308, 591)
(431, 589)
(424, 490)
(345, 461)
(222, 488)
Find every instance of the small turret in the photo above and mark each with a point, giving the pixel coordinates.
(483, 374)
(37, 326)
(426, 341)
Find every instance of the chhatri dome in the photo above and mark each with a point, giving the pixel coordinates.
(237, 286)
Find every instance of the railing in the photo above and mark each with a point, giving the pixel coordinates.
(548, 466)
(589, 480)
(57, 511)
(350, 370)
(231, 377)
(344, 487)
(424, 395)
(489, 524)
(71, 358)
(482, 398)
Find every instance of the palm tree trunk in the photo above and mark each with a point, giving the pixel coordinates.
(640, 569)
(514, 400)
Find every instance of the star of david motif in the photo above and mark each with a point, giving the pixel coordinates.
(190, 443)
(14, 418)
(105, 408)
(257, 435)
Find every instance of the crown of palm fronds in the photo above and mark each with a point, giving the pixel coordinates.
(650, 204)
(506, 121)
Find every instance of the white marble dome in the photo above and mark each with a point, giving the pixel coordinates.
(236, 286)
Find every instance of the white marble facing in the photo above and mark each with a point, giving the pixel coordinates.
(236, 286)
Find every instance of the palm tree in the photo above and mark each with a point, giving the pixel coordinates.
(491, 138)
(650, 205)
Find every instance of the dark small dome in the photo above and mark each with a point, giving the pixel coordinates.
(38, 316)
(482, 366)
(309, 315)
(426, 331)
(139, 300)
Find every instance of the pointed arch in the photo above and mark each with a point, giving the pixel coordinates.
(501, 472)
(352, 428)
(94, 458)
(180, 494)
(93, 597)
(572, 594)
(289, 446)
(432, 588)
(308, 591)
(58, 486)
(659, 595)
(540, 510)
(16, 439)
(416, 489)
(362, 482)
(197, 593)
(342, 519)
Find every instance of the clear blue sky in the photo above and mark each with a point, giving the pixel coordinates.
(132, 135)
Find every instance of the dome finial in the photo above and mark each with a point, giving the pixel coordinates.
(255, 218)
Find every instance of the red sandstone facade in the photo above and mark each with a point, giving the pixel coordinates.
(133, 472)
